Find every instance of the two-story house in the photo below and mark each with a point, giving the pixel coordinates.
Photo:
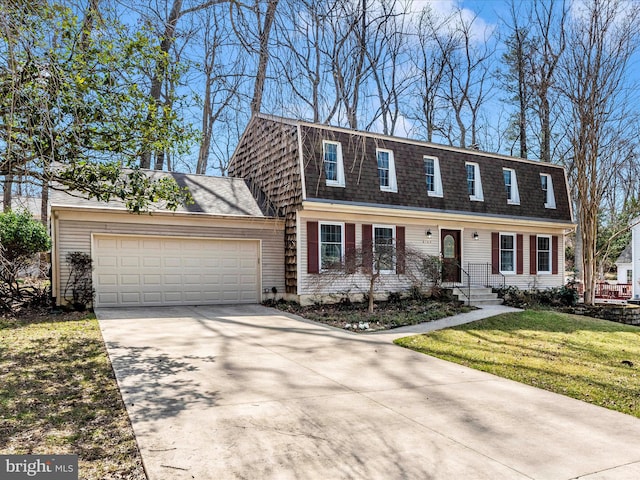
(500, 220)
(299, 198)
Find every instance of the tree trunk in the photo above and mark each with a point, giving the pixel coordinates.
(7, 193)
(261, 74)
(168, 38)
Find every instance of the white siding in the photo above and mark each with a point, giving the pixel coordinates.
(473, 251)
(74, 230)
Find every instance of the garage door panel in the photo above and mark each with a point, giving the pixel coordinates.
(167, 271)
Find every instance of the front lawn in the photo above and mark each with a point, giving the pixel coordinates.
(58, 395)
(596, 361)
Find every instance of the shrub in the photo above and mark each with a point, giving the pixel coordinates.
(21, 238)
(564, 296)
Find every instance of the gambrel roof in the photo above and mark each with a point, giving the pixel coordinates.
(283, 154)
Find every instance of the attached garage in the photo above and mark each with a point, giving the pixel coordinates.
(151, 271)
(221, 250)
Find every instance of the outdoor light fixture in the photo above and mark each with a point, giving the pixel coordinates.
(428, 233)
(476, 236)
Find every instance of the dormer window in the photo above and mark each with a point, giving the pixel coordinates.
(474, 183)
(333, 166)
(432, 176)
(511, 186)
(547, 189)
(386, 170)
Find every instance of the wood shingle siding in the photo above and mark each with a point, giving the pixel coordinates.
(268, 157)
(362, 185)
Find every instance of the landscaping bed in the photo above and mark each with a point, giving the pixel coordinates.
(387, 315)
(58, 395)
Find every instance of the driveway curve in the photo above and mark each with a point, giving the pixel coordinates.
(247, 392)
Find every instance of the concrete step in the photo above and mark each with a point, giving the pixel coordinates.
(477, 296)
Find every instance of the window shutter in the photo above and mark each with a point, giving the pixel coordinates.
(533, 254)
(400, 250)
(555, 259)
(520, 254)
(350, 247)
(367, 248)
(495, 253)
(312, 248)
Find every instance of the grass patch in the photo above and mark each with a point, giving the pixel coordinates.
(592, 360)
(58, 395)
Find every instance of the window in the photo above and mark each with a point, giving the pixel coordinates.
(386, 171)
(333, 167)
(331, 246)
(507, 253)
(474, 184)
(511, 186)
(544, 254)
(547, 189)
(383, 249)
(629, 276)
(432, 176)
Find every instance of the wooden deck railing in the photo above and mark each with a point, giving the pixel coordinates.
(620, 291)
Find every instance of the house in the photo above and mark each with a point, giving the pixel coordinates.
(628, 262)
(299, 198)
(498, 220)
(224, 248)
(625, 266)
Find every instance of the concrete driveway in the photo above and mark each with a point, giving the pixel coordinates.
(249, 393)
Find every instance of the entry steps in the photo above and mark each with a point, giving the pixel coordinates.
(478, 296)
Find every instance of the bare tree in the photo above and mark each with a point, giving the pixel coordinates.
(428, 60)
(253, 28)
(466, 75)
(386, 50)
(548, 42)
(348, 25)
(222, 80)
(161, 71)
(602, 37)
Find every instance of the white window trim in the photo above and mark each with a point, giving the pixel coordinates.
(544, 272)
(393, 185)
(393, 236)
(478, 195)
(339, 182)
(515, 253)
(515, 193)
(550, 201)
(437, 179)
(342, 244)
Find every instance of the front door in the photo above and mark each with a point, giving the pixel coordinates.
(451, 256)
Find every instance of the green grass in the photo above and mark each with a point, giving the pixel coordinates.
(580, 357)
(58, 395)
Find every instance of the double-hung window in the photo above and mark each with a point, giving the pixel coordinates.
(507, 253)
(474, 183)
(333, 165)
(386, 170)
(432, 176)
(547, 189)
(544, 254)
(511, 186)
(331, 245)
(384, 249)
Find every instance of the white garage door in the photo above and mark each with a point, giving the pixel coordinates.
(149, 270)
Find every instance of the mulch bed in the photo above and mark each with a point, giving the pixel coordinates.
(386, 316)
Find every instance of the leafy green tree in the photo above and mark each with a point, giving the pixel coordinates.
(21, 237)
(73, 108)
